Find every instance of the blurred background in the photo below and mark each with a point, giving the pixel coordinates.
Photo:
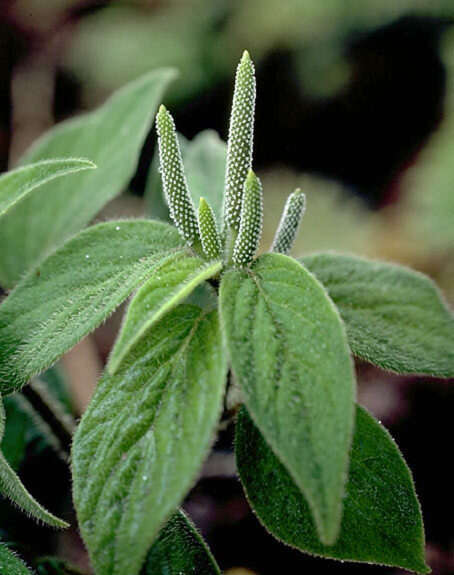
(355, 105)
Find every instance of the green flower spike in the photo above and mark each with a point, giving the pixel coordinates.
(290, 221)
(240, 142)
(208, 231)
(174, 182)
(250, 231)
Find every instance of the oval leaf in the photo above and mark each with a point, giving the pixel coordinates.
(173, 281)
(180, 550)
(112, 137)
(73, 291)
(395, 317)
(289, 352)
(144, 436)
(382, 519)
(10, 564)
(17, 184)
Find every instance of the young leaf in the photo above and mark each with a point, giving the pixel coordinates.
(209, 236)
(179, 550)
(145, 434)
(174, 182)
(395, 317)
(12, 488)
(17, 184)
(10, 564)
(290, 222)
(382, 520)
(112, 137)
(73, 291)
(173, 280)
(250, 232)
(240, 142)
(289, 353)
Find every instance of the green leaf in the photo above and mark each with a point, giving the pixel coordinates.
(395, 317)
(14, 439)
(10, 564)
(204, 160)
(173, 280)
(73, 291)
(289, 353)
(17, 184)
(144, 436)
(12, 488)
(382, 520)
(112, 137)
(180, 550)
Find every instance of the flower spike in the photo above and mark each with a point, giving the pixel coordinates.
(290, 221)
(174, 182)
(208, 231)
(250, 231)
(240, 142)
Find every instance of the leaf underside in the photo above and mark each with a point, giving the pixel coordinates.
(395, 317)
(144, 436)
(73, 291)
(178, 550)
(10, 564)
(12, 487)
(173, 280)
(112, 137)
(17, 184)
(289, 353)
(382, 520)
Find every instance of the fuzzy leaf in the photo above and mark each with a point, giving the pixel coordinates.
(173, 280)
(12, 488)
(180, 550)
(10, 564)
(144, 436)
(395, 317)
(382, 520)
(15, 185)
(289, 353)
(73, 291)
(112, 137)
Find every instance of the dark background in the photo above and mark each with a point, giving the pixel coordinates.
(352, 97)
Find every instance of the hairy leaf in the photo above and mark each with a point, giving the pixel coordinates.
(382, 520)
(173, 280)
(17, 184)
(112, 137)
(180, 550)
(395, 317)
(289, 352)
(12, 488)
(10, 564)
(144, 436)
(73, 291)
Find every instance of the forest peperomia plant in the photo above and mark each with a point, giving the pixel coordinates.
(321, 473)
